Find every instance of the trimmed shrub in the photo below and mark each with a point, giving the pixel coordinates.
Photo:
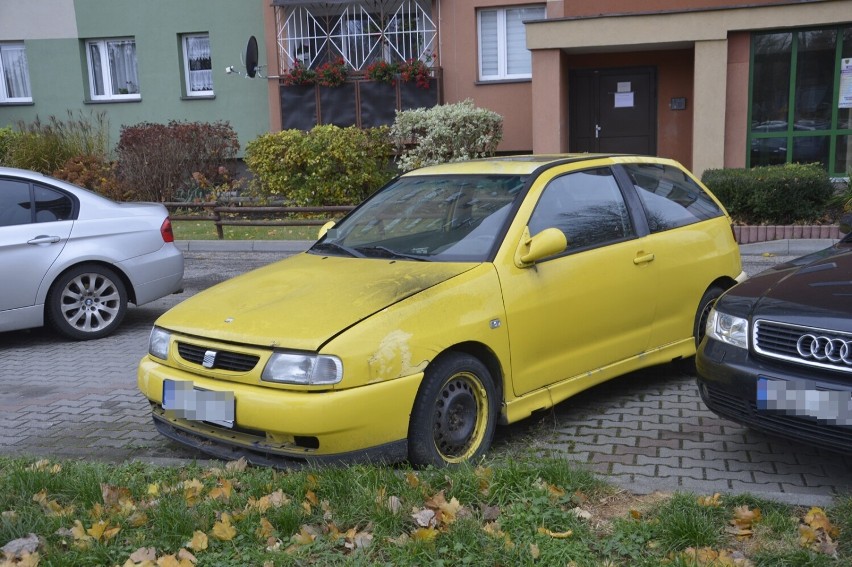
(45, 147)
(776, 194)
(445, 133)
(325, 166)
(156, 162)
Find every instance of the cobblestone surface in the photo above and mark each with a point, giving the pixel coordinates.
(645, 431)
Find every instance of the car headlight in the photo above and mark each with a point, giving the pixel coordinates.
(728, 329)
(307, 369)
(158, 343)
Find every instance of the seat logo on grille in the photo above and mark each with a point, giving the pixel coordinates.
(209, 359)
(824, 348)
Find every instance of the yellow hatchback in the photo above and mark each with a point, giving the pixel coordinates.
(457, 297)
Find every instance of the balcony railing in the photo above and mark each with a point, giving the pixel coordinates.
(357, 102)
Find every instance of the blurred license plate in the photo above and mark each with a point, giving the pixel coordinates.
(181, 399)
(803, 399)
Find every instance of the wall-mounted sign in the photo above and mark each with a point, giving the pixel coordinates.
(624, 100)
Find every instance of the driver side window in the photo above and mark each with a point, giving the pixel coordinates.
(587, 206)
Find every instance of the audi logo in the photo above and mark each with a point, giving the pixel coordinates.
(825, 348)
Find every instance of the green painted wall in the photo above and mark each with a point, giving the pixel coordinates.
(58, 66)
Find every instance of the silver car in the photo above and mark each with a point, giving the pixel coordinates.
(74, 259)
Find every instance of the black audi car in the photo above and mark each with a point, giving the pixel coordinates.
(777, 354)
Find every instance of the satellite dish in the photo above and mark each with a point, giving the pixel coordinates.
(251, 57)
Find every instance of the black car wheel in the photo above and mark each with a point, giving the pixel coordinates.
(454, 413)
(86, 302)
(708, 300)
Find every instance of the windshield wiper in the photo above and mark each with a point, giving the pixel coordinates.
(388, 253)
(334, 246)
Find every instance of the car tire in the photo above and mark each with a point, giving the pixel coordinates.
(708, 300)
(86, 302)
(454, 414)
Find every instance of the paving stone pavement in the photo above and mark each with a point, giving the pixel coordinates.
(644, 432)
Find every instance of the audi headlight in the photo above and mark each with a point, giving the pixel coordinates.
(158, 343)
(728, 329)
(306, 369)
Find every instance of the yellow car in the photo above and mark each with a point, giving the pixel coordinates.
(456, 297)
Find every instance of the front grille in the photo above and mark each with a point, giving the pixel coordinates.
(223, 360)
(792, 343)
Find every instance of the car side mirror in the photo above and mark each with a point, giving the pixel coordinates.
(846, 223)
(546, 243)
(325, 228)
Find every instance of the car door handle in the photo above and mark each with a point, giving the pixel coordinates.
(44, 239)
(643, 259)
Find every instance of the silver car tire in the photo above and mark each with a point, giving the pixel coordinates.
(86, 302)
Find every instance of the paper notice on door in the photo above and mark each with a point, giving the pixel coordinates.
(624, 87)
(845, 98)
(624, 100)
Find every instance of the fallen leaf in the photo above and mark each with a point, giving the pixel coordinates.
(306, 536)
(101, 531)
(394, 504)
(424, 534)
(185, 555)
(198, 542)
(489, 513)
(266, 529)
(425, 518)
(18, 547)
(412, 479)
(555, 535)
(534, 551)
(223, 530)
(712, 501)
(222, 491)
(237, 466)
(192, 491)
(144, 554)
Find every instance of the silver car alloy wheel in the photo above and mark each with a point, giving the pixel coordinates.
(90, 302)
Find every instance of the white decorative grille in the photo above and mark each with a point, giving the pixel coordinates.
(359, 32)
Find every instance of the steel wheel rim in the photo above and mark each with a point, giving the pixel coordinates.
(460, 418)
(90, 302)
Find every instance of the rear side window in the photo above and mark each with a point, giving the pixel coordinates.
(670, 197)
(51, 205)
(14, 203)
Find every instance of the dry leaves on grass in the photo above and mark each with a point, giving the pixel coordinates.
(817, 533)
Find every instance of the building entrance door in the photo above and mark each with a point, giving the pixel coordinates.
(613, 110)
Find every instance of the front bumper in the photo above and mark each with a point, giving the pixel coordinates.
(276, 426)
(728, 382)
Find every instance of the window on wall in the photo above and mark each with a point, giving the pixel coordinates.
(503, 52)
(393, 31)
(112, 69)
(801, 98)
(14, 73)
(198, 67)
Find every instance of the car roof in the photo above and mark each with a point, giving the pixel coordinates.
(521, 164)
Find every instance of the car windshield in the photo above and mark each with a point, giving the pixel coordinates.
(447, 218)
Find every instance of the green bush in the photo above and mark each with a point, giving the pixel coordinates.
(46, 146)
(8, 138)
(445, 133)
(156, 162)
(776, 194)
(325, 166)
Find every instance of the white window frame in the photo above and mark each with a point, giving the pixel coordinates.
(106, 70)
(187, 80)
(5, 97)
(502, 43)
